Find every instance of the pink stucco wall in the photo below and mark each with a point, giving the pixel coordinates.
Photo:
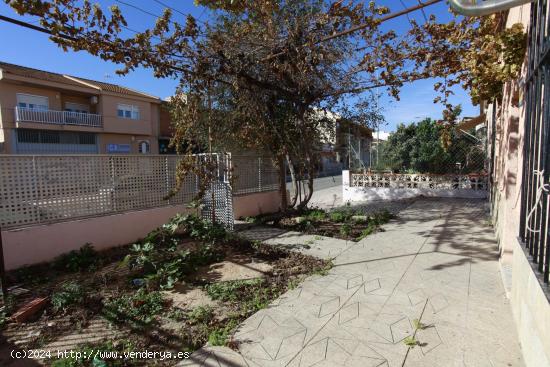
(41, 243)
(254, 204)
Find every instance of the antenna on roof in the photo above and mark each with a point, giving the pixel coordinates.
(107, 76)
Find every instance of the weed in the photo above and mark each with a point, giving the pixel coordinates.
(163, 267)
(200, 315)
(323, 271)
(83, 259)
(371, 228)
(88, 355)
(251, 220)
(317, 238)
(410, 341)
(337, 217)
(138, 309)
(346, 229)
(176, 314)
(418, 325)
(196, 228)
(71, 293)
(293, 283)
(227, 291)
(315, 215)
(3, 319)
(220, 336)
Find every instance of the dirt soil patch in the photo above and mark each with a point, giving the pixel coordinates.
(109, 306)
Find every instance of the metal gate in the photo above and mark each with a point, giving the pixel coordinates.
(218, 198)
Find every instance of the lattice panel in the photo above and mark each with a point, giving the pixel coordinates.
(45, 189)
(420, 181)
(222, 203)
(253, 174)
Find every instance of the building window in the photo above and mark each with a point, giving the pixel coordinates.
(144, 147)
(32, 102)
(127, 111)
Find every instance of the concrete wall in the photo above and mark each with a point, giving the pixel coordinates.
(35, 244)
(531, 310)
(528, 297)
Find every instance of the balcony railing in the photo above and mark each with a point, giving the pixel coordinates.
(57, 117)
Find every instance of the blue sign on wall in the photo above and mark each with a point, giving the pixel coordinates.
(118, 148)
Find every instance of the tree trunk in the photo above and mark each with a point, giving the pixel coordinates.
(294, 182)
(311, 176)
(282, 184)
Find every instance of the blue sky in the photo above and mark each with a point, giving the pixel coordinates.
(33, 49)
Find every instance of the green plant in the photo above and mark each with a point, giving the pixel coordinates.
(323, 271)
(84, 258)
(87, 355)
(228, 291)
(410, 341)
(337, 217)
(371, 228)
(345, 229)
(315, 215)
(3, 319)
(220, 336)
(197, 228)
(71, 293)
(200, 315)
(418, 325)
(176, 314)
(251, 220)
(138, 309)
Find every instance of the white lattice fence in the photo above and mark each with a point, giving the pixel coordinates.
(420, 181)
(253, 174)
(44, 189)
(47, 189)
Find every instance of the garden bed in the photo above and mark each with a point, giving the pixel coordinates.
(187, 283)
(346, 223)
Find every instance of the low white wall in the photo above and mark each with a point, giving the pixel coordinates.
(358, 194)
(531, 310)
(351, 194)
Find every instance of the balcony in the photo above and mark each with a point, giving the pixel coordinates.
(57, 117)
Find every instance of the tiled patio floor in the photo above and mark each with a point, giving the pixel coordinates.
(436, 265)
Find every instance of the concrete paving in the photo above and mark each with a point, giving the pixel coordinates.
(431, 279)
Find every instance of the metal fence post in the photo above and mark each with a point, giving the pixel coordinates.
(260, 174)
(113, 184)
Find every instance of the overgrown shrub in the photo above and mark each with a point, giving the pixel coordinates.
(84, 258)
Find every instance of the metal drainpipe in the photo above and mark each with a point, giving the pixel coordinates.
(484, 7)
